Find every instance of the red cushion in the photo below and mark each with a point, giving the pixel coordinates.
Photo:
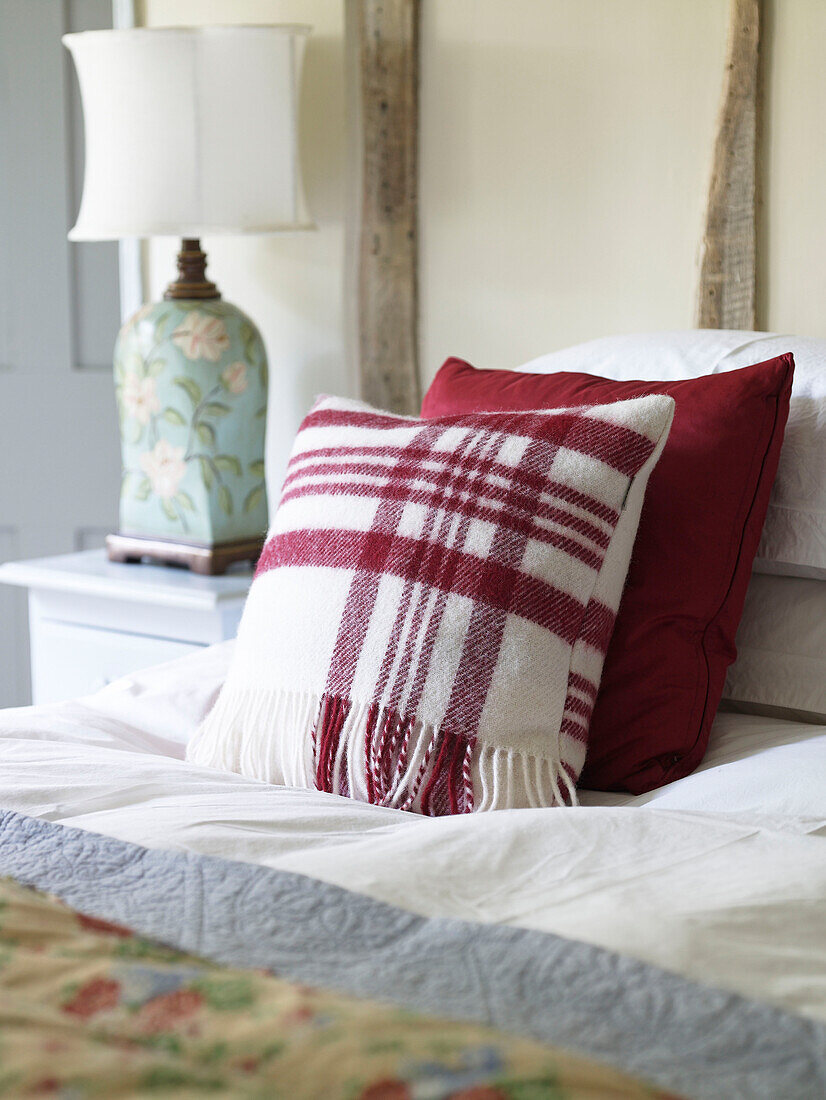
(698, 534)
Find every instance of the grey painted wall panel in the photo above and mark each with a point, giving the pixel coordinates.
(59, 310)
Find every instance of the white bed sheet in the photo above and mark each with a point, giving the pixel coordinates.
(720, 876)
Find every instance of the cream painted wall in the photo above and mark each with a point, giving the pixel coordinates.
(566, 147)
(793, 238)
(565, 151)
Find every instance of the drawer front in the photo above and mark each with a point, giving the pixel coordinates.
(70, 660)
(155, 620)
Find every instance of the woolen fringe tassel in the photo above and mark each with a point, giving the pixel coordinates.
(371, 753)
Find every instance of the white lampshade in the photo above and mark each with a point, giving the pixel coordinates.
(190, 131)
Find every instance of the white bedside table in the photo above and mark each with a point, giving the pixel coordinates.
(91, 620)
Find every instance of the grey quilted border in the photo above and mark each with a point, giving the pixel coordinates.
(698, 1041)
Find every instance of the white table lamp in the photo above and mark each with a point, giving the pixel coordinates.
(190, 132)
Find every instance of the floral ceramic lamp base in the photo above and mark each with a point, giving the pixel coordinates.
(191, 385)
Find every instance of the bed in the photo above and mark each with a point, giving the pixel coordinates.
(718, 878)
(214, 932)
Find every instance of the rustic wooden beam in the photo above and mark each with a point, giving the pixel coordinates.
(726, 295)
(387, 37)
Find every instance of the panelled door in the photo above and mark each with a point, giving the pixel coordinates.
(59, 315)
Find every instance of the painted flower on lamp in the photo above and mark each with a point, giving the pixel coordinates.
(191, 385)
(165, 467)
(200, 336)
(140, 396)
(235, 377)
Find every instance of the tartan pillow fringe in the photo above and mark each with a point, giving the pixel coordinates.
(362, 750)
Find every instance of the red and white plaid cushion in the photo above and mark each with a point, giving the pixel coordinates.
(429, 616)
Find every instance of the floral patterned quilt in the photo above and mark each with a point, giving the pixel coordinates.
(87, 1009)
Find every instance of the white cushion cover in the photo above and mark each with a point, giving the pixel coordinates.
(794, 536)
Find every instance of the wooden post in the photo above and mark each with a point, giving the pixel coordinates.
(727, 291)
(386, 36)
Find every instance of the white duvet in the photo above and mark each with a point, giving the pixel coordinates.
(720, 876)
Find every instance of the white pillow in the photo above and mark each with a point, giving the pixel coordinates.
(781, 650)
(794, 536)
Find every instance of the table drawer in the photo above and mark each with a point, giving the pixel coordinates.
(70, 660)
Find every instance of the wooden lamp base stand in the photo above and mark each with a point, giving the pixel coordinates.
(208, 560)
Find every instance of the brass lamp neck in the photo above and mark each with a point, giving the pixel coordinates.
(192, 281)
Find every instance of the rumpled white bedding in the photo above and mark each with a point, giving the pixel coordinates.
(720, 876)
